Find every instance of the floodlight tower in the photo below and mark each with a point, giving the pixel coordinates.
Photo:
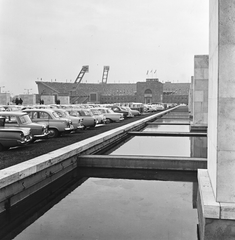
(81, 74)
(105, 74)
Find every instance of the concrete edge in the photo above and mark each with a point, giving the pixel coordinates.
(210, 208)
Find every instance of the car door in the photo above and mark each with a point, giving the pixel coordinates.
(39, 117)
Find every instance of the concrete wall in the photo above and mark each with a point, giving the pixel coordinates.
(64, 99)
(198, 147)
(5, 98)
(200, 90)
(221, 135)
(28, 99)
(48, 99)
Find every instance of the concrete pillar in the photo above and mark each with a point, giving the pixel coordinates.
(200, 90)
(190, 98)
(221, 132)
(216, 199)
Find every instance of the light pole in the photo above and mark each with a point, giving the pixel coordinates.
(1, 88)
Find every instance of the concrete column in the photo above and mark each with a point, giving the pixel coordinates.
(190, 98)
(200, 90)
(221, 132)
(216, 198)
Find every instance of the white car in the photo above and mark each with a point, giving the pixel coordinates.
(57, 125)
(98, 115)
(110, 115)
(76, 121)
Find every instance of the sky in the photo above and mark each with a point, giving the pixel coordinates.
(50, 40)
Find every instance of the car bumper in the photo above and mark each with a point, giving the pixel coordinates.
(41, 136)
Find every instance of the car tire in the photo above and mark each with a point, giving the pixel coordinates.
(108, 120)
(53, 133)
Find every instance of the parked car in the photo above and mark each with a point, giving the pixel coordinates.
(13, 136)
(110, 115)
(88, 120)
(76, 121)
(22, 120)
(133, 111)
(57, 125)
(98, 115)
(120, 110)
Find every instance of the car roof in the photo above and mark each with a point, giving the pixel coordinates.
(39, 110)
(9, 113)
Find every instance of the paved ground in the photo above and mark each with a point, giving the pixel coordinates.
(18, 155)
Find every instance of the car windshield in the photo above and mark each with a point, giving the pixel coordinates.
(74, 113)
(110, 111)
(102, 110)
(66, 114)
(95, 111)
(61, 114)
(55, 115)
(86, 113)
(25, 119)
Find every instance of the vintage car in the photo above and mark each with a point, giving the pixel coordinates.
(76, 121)
(22, 120)
(98, 115)
(133, 111)
(118, 109)
(13, 136)
(57, 125)
(88, 120)
(110, 115)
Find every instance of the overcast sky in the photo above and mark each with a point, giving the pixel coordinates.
(53, 39)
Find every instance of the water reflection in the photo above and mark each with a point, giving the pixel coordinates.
(167, 128)
(172, 120)
(156, 146)
(120, 209)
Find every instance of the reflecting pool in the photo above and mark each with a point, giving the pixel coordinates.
(120, 209)
(109, 208)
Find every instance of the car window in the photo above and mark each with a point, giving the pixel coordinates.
(25, 119)
(85, 113)
(60, 114)
(44, 115)
(32, 115)
(74, 113)
(55, 115)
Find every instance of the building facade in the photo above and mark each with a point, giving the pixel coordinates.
(150, 91)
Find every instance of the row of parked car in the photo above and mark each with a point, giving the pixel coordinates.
(20, 125)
